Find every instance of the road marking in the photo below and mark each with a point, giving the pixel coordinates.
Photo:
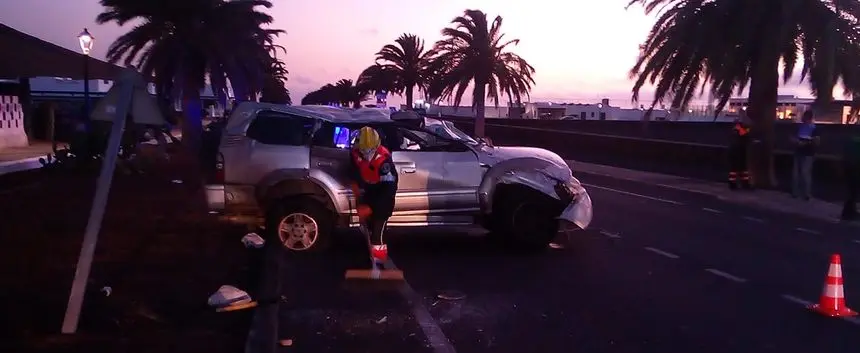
(725, 275)
(796, 300)
(661, 252)
(610, 234)
(854, 320)
(633, 194)
(429, 326)
(808, 231)
(753, 219)
(856, 241)
(711, 210)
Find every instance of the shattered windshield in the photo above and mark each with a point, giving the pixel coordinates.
(447, 129)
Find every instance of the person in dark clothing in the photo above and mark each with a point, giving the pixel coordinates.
(851, 160)
(374, 178)
(806, 141)
(738, 168)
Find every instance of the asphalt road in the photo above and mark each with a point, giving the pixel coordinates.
(661, 270)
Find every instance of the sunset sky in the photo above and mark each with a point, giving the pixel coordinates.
(582, 50)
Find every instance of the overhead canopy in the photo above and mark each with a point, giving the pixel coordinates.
(22, 55)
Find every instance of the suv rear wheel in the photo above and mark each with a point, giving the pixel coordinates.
(525, 220)
(300, 225)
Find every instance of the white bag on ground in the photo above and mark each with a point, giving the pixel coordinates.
(228, 295)
(253, 240)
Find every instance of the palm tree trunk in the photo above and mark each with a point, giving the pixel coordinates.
(480, 98)
(409, 97)
(764, 86)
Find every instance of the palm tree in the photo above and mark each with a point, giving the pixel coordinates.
(181, 44)
(402, 65)
(274, 88)
(473, 52)
(731, 43)
(343, 93)
(348, 94)
(376, 78)
(325, 95)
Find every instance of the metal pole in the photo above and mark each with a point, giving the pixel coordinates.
(85, 261)
(86, 120)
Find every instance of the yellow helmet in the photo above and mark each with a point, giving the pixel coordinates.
(368, 141)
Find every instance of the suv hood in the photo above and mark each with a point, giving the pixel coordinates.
(491, 156)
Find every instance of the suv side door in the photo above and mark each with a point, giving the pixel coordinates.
(436, 178)
(329, 163)
(268, 144)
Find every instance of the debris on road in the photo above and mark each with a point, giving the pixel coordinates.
(253, 240)
(176, 181)
(228, 295)
(382, 320)
(286, 343)
(556, 246)
(451, 295)
(107, 290)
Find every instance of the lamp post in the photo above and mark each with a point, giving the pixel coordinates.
(86, 40)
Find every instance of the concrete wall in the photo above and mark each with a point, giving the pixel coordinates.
(12, 132)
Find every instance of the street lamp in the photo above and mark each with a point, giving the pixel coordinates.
(86, 40)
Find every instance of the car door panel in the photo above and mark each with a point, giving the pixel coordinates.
(463, 175)
(420, 174)
(330, 167)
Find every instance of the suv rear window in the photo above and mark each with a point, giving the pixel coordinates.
(274, 128)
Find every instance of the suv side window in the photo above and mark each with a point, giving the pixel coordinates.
(274, 128)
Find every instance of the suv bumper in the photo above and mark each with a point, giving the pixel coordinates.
(579, 211)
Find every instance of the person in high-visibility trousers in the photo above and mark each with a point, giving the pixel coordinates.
(374, 180)
(739, 174)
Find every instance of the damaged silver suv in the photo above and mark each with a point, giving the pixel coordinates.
(284, 167)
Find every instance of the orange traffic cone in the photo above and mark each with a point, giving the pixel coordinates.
(832, 301)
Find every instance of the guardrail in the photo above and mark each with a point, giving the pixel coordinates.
(704, 159)
(832, 135)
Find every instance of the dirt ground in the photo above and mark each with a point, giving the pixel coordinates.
(159, 251)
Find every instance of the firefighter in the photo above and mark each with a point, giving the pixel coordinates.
(374, 185)
(739, 174)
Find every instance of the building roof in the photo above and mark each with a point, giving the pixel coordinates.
(23, 55)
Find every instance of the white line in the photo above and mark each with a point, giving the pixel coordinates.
(633, 194)
(428, 324)
(753, 219)
(610, 234)
(854, 320)
(809, 231)
(796, 300)
(725, 275)
(711, 210)
(661, 252)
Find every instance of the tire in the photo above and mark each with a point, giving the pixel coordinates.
(525, 222)
(306, 215)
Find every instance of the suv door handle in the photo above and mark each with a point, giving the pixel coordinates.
(407, 168)
(324, 164)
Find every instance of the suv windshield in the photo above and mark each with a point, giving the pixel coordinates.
(447, 129)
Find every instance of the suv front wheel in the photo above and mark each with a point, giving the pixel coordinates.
(525, 221)
(300, 225)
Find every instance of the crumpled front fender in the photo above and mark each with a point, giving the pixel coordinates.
(579, 211)
(535, 173)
